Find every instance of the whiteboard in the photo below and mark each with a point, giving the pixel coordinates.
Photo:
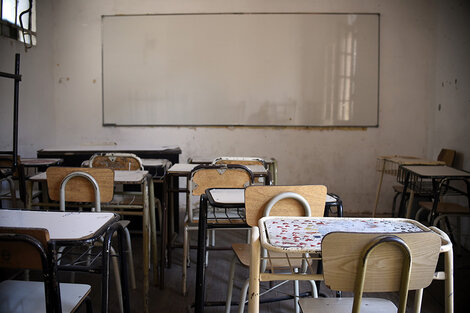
(272, 69)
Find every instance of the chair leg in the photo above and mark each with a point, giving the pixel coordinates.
(185, 256)
(418, 214)
(243, 292)
(89, 305)
(153, 241)
(313, 285)
(212, 231)
(130, 258)
(395, 203)
(296, 295)
(418, 300)
(228, 301)
(117, 278)
(11, 184)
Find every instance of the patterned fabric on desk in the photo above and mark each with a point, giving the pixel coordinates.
(308, 233)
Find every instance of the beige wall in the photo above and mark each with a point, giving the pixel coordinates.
(61, 94)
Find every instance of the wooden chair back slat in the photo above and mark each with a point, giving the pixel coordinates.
(241, 162)
(20, 254)
(256, 198)
(447, 156)
(117, 161)
(205, 178)
(79, 189)
(341, 253)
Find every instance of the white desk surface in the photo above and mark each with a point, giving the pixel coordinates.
(109, 148)
(228, 196)
(61, 225)
(306, 233)
(185, 169)
(155, 162)
(436, 171)
(409, 160)
(120, 177)
(237, 195)
(32, 162)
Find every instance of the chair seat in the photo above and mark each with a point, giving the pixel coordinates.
(28, 296)
(446, 207)
(344, 305)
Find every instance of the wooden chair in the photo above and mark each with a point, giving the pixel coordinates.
(445, 155)
(374, 262)
(117, 161)
(246, 161)
(120, 161)
(88, 185)
(275, 201)
(203, 177)
(28, 249)
(10, 173)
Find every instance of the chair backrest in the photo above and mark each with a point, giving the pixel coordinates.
(240, 160)
(8, 168)
(257, 197)
(23, 248)
(343, 253)
(447, 156)
(27, 248)
(79, 189)
(204, 177)
(117, 161)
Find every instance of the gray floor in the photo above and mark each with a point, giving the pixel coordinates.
(170, 298)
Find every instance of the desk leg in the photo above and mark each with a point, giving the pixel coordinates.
(153, 231)
(171, 224)
(29, 194)
(164, 234)
(253, 298)
(435, 202)
(401, 209)
(106, 268)
(201, 255)
(379, 187)
(410, 203)
(146, 245)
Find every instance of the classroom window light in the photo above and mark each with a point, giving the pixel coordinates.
(19, 21)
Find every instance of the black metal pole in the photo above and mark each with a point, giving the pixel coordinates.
(15, 110)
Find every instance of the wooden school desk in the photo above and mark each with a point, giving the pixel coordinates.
(183, 170)
(390, 164)
(276, 234)
(75, 229)
(426, 179)
(271, 164)
(231, 199)
(144, 209)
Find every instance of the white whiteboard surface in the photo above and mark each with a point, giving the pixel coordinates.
(241, 69)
